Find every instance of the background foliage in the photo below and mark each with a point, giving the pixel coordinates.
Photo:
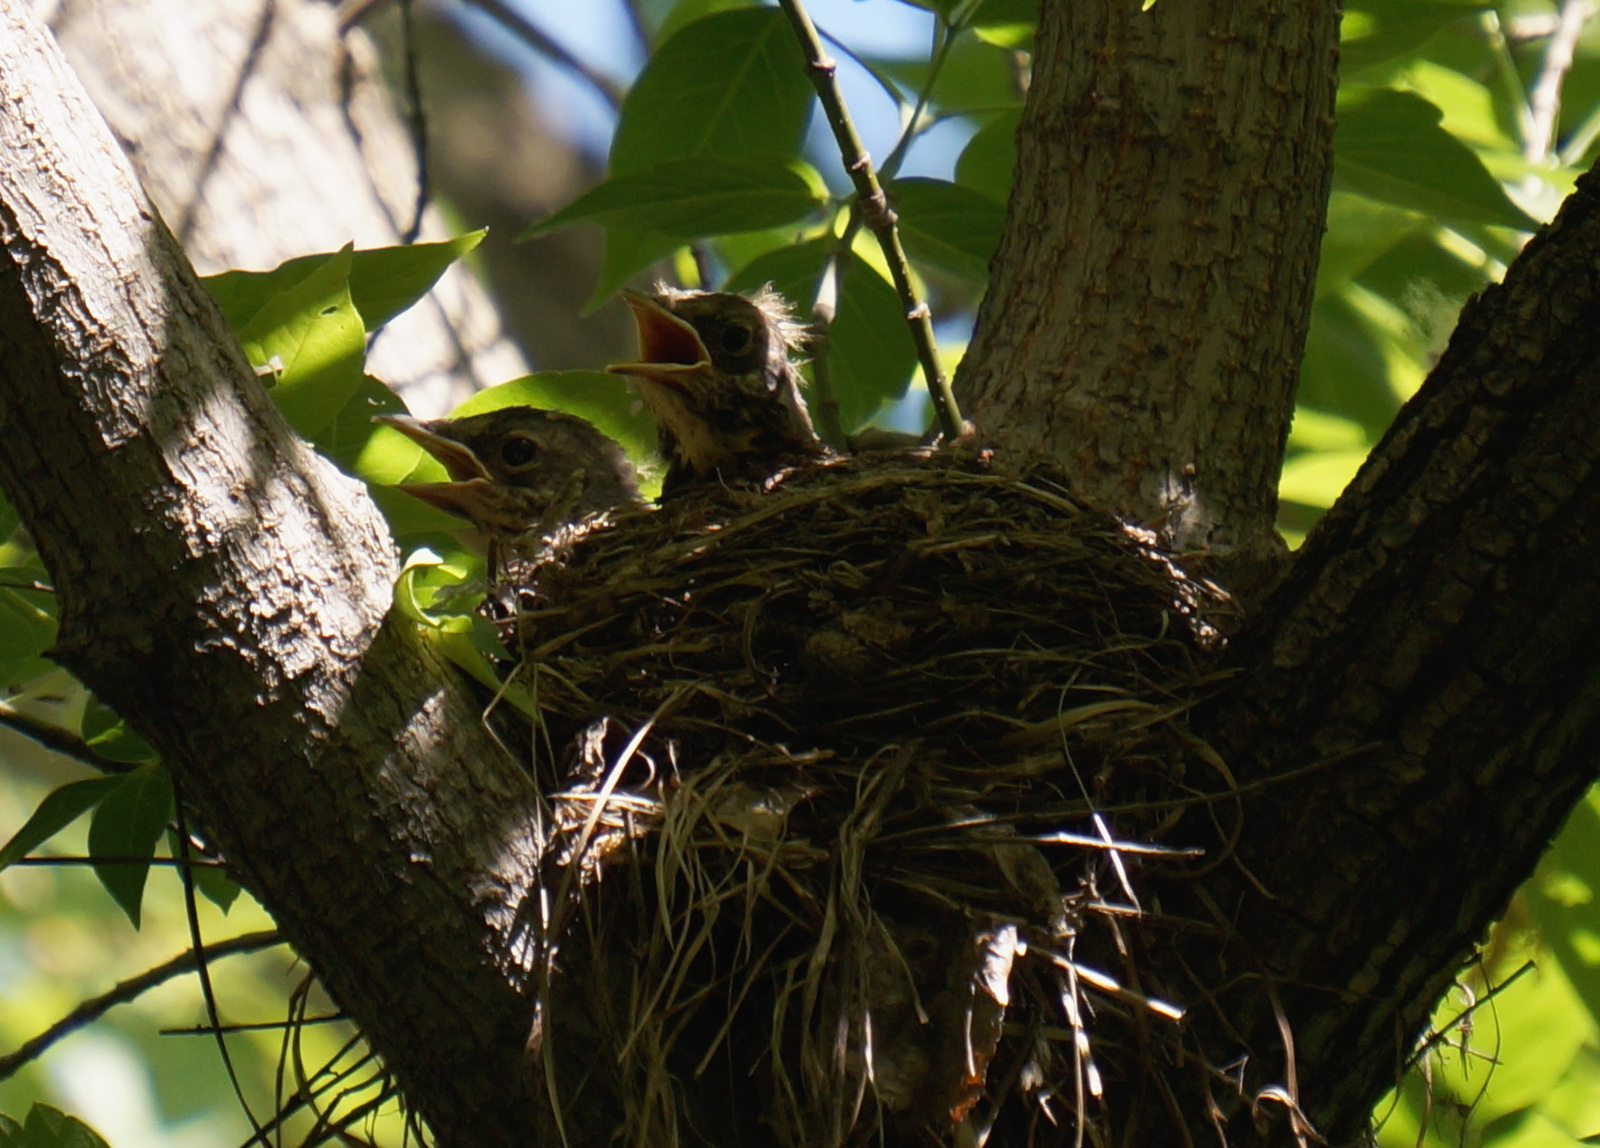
(1449, 150)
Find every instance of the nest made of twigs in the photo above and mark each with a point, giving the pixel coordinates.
(859, 741)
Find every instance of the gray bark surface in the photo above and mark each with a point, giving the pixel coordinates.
(1148, 303)
(228, 590)
(1417, 703)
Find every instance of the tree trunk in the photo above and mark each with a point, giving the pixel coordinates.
(227, 590)
(1148, 304)
(1416, 702)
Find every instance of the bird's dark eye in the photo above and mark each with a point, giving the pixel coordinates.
(735, 340)
(518, 452)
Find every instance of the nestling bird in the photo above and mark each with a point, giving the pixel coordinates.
(519, 473)
(715, 370)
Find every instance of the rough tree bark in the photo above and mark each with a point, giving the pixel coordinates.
(1430, 654)
(228, 589)
(1148, 304)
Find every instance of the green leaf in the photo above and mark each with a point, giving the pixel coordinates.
(1318, 430)
(426, 592)
(27, 623)
(109, 736)
(948, 226)
(870, 353)
(1564, 900)
(48, 1127)
(1346, 369)
(730, 85)
(384, 281)
(604, 399)
(976, 77)
(1006, 24)
(990, 157)
(1379, 31)
(685, 199)
(60, 808)
(314, 340)
(1317, 478)
(210, 881)
(126, 827)
(627, 252)
(381, 456)
(686, 12)
(1390, 147)
(1360, 230)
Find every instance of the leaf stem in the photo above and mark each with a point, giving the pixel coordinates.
(875, 212)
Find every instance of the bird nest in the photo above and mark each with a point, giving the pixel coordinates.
(852, 780)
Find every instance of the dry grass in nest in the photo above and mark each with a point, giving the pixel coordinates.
(839, 751)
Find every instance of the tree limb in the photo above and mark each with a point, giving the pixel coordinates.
(227, 591)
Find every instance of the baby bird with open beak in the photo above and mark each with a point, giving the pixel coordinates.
(715, 370)
(519, 474)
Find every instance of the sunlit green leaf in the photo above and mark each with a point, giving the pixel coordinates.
(990, 157)
(1360, 230)
(1318, 477)
(1467, 105)
(27, 623)
(60, 808)
(1346, 369)
(947, 225)
(1564, 899)
(313, 341)
(730, 85)
(429, 593)
(382, 456)
(384, 281)
(1005, 23)
(124, 831)
(1390, 146)
(687, 198)
(1378, 31)
(1318, 430)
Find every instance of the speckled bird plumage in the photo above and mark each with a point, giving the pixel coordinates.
(717, 371)
(520, 473)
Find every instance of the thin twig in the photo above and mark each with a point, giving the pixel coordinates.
(1544, 97)
(943, 39)
(47, 862)
(252, 1026)
(32, 584)
(875, 213)
(418, 118)
(202, 969)
(636, 21)
(540, 42)
(58, 740)
(1506, 70)
(93, 1009)
(826, 306)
